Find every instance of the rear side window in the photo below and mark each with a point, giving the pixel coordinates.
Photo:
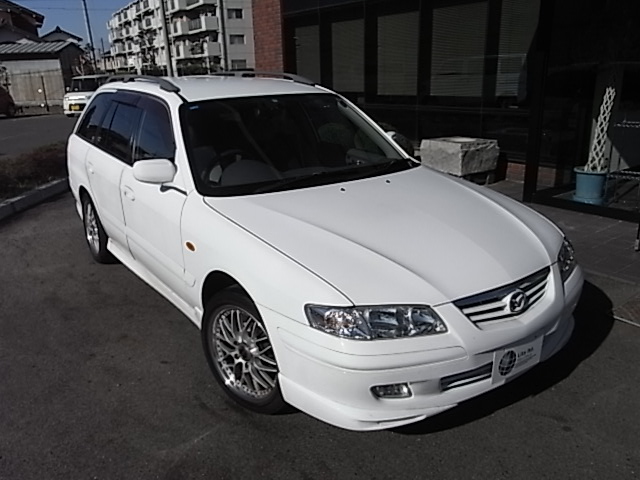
(92, 119)
(155, 137)
(117, 130)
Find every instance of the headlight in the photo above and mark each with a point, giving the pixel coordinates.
(566, 259)
(370, 323)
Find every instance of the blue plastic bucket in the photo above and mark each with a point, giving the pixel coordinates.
(589, 186)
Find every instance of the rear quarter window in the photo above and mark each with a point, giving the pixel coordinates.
(92, 119)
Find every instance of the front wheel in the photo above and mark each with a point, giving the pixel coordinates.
(240, 353)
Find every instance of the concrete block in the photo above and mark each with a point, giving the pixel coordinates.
(460, 156)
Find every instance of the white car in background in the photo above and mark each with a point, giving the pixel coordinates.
(325, 267)
(80, 91)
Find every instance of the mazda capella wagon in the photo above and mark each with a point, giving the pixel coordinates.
(325, 267)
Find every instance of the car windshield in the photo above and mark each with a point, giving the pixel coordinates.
(86, 84)
(247, 145)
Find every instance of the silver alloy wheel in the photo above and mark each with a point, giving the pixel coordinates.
(243, 354)
(91, 228)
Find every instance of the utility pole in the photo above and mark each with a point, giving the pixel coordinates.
(89, 34)
(104, 62)
(165, 39)
(223, 32)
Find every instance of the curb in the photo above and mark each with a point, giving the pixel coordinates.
(35, 197)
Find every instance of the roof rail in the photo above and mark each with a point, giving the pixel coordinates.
(252, 73)
(164, 84)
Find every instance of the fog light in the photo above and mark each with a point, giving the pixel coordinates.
(395, 390)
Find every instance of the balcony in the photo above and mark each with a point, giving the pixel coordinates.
(115, 36)
(179, 28)
(204, 23)
(174, 6)
(181, 51)
(205, 49)
(189, 4)
(148, 23)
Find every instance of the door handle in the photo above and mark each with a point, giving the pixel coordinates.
(128, 192)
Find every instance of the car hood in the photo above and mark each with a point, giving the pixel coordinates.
(413, 236)
(78, 95)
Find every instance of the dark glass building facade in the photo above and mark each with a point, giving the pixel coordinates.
(531, 74)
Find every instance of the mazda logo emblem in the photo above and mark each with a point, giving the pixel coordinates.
(517, 301)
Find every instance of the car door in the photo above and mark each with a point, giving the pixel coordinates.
(108, 126)
(152, 212)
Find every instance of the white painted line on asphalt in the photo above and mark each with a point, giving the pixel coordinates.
(629, 322)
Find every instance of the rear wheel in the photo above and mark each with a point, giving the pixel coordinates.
(240, 353)
(11, 111)
(95, 235)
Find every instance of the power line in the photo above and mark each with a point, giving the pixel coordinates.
(78, 9)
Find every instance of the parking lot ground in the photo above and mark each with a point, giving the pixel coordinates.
(102, 378)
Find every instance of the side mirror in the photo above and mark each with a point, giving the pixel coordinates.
(155, 171)
(67, 89)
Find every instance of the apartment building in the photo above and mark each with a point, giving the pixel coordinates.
(204, 36)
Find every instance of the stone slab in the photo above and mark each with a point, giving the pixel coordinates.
(460, 156)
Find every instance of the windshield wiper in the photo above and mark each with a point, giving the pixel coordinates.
(396, 165)
(306, 180)
(343, 174)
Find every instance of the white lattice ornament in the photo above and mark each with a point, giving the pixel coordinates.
(597, 161)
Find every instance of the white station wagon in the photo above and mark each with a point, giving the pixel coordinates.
(325, 267)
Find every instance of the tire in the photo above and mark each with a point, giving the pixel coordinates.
(240, 353)
(11, 111)
(94, 233)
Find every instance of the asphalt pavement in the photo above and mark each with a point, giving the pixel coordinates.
(23, 134)
(103, 378)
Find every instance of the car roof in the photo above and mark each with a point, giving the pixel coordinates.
(96, 75)
(211, 87)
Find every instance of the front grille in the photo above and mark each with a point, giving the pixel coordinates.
(466, 378)
(494, 304)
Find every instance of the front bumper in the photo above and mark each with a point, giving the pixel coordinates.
(331, 378)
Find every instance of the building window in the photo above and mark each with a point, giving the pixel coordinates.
(236, 39)
(234, 13)
(398, 54)
(238, 64)
(308, 52)
(458, 50)
(348, 55)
